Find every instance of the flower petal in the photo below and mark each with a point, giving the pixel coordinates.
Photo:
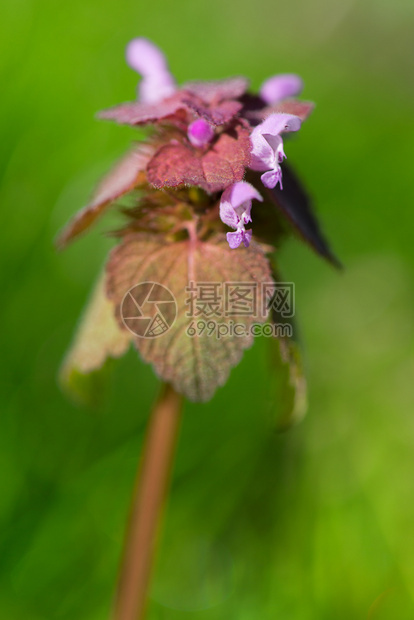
(239, 193)
(148, 60)
(262, 154)
(247, 237)
(228, 214)
(281, 87)
(200, 132)
(156, 88)
(235, 208)
(271, 178)
(145, 57)
(234, 239)
(276, 143)
(267, 146)
(278, 123)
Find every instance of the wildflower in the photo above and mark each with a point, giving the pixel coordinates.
(279, 87)
(147, 59)
(235, 211)
(267, 146)
(200, 132)
(179, 189)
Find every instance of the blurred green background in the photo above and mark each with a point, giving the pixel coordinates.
(316, 523)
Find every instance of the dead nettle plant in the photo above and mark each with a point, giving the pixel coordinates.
(210, 200)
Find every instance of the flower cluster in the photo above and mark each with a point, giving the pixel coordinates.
(266, 144)
(210, 177)
(209, 135)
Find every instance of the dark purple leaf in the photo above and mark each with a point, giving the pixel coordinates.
(296, 205)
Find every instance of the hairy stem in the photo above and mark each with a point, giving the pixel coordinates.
(149, 497)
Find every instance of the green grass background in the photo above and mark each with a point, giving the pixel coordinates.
(314, 524)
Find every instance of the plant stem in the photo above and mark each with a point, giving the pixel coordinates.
(148, 500)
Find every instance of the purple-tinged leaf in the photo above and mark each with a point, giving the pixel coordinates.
(209, 100)
(224, 163)
(302, 109)
(296, 205)
(195, 363)
(122, 179)
(135, 113)
(98, 338)
(219, 90)
(173, 165)
(219, 114)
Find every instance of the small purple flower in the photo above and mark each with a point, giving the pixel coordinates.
(200, 132)
(147, 59)
(235, 209)
(267, 146)
(279, 87)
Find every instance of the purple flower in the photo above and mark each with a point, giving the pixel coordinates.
(279, 87)
(147, 59)
(235, 208)
(200, 132)
(267, 146)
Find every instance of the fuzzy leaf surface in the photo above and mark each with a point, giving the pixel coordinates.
(302, 109)
(219, 90)
(224, 163)
(195, 365)
(136, 113)
(218, 114)
(175, 164)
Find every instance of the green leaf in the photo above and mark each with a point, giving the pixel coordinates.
(289, 388)
(195, 364)
(84, 371)
(289, 385)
